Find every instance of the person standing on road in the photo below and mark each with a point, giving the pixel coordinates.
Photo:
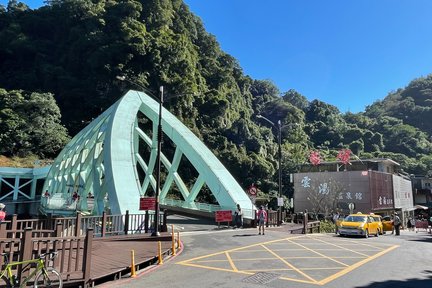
(262, 218)
(2, 212)
(239, 217)
(396, 224)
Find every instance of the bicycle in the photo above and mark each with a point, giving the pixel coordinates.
(44, 276)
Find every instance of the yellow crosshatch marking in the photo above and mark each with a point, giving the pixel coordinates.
(306, 259)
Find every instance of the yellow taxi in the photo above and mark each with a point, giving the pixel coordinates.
(377, 218)
(387, 223)
(358, 224)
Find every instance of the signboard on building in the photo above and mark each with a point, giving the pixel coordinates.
(402, 190)
(326, 191)
(381, 190)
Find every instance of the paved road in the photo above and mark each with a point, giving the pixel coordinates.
(241, 258)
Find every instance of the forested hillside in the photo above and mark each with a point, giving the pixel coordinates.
(72, 51)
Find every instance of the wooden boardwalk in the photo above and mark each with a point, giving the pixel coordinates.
(111, 257)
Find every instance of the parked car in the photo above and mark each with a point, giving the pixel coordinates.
(377, 218)
(359, 225)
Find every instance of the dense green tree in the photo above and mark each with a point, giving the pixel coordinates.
(74, 49)
(296, 99)
(30, 124)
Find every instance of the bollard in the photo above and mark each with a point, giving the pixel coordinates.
(178, 239)
(133, 272)
(160, 262)
(173, 240)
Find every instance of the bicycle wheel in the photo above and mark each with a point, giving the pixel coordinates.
(4, 282)
(48, 278)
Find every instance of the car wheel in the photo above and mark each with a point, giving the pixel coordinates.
(366, 234)
(377, 233)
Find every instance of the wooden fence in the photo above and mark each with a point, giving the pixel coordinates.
(71, 237)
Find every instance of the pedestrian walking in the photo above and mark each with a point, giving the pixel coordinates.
(396, 224)
(239, 217)
(2, 212)
(262, 218)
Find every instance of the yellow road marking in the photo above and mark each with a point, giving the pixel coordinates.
(324, 256)
(344, 248)
(290, 265)
(346, 268)
(233, 250)
(216, 268)
(356, 265)
(231, 262)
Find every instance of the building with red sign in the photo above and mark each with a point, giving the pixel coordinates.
(372, 186)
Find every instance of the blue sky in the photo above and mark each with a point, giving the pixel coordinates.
(346, 53)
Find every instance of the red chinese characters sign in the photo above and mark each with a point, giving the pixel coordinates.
(147, 203)
(223, 216)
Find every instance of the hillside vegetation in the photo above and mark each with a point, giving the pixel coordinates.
(60, 62)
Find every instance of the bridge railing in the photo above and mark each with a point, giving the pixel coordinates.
(104, 225)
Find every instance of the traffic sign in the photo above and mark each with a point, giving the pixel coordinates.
(351, 207)
(252, 190)
(280, 201)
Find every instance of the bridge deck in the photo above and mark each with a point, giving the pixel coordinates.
(112, 257)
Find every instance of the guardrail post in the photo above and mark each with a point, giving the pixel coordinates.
(26, 253)
(58, 230)
(3, 230)
(49, 222)
(305, 223)
(14, 223)
(87, 256)
(104, 224)
(78, 224)
(146, 221)
(164, 227)
(126, 223)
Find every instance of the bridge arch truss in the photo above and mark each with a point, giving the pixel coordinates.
(110, 165)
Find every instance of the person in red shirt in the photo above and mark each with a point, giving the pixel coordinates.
(2, 212)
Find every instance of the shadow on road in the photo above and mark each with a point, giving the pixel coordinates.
(409, 283)
(245, 235)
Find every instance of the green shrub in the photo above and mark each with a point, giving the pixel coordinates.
(327, 226)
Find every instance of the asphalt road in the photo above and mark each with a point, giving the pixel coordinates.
(241, 258)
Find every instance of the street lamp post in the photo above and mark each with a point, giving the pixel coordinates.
(280, 169)
(279, 161)
(158, 164)
(158, 154)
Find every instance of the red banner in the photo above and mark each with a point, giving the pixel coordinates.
(223, 216)
(147, 203)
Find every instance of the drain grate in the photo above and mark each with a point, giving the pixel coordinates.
(261, 278)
